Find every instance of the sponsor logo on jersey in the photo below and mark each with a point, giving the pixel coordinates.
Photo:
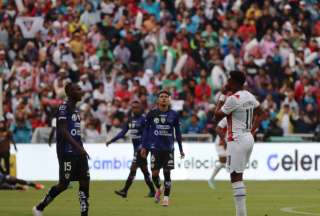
(156, 120)
(74, 117)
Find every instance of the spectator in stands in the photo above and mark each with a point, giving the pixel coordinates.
(195, 126)
(21, 129)
(154, 45)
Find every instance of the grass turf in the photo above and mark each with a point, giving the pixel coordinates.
(189, 198)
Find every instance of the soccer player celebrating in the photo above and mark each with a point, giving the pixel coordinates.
(221, 145)
(135, 125)
(158, 137)
(244, 115)
(72, 157)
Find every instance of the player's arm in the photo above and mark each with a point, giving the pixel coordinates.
(53, 130)
(179, 136)
(144, 140)
(225, 108)
(258, 115)
(221, 133)
(120, 135)
(13, 142)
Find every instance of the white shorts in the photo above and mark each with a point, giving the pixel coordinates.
(238, 153)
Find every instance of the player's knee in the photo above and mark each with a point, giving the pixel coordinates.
(235, 177)
(155, 173)
(223, 160)
(62, 186)
(132, 173)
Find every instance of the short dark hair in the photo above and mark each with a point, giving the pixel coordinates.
(164, 92)
(68, 87)
(238, 77)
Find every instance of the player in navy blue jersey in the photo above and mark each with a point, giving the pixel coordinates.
(158, 137)
(72, 157)
(135, 126)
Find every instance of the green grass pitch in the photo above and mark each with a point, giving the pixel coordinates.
(189, 198)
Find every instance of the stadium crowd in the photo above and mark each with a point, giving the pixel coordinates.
(120, 50)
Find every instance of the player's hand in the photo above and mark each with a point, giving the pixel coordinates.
(85, 153)
(144, 153)
(225, 89)
(182, 155)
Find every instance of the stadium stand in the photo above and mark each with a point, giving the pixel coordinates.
(119, 50)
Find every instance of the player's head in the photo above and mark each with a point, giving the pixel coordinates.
(164, 98)
(236, 81)
(73, 92)
(136, 107)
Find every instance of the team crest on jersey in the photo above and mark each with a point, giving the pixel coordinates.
(74, 117)
(163, 119)
(67, 175)
(156, 120)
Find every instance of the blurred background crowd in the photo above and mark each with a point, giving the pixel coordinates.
(120, 50)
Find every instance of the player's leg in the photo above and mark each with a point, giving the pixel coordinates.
(14, 180)
(65, 171)
(82, 174)
(143, 164)
(218, 166)
(53, 193)
(84, 196)
(238, 157)
(6, 158)
(168, 165)
(133, 170)
(6, 186)
(167, 186)
(148, 181)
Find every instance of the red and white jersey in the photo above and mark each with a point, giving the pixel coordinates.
(239, 109)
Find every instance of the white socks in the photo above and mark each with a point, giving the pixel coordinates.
(216, 170)
(165, 198)
(239, 193)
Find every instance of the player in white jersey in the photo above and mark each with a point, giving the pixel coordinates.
(221, 145)
(244, 115)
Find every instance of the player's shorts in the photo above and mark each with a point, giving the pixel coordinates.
(138, 160)
(162, 159)
(73, 168)
(238, 153)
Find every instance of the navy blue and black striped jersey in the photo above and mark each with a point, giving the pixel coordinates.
(135, 126)
(160, 129)
(74, 129)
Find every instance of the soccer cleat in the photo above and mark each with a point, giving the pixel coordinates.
(211, 184)
(121, 193)
(39, 186)
(36, 212)
(165, 203)
(157, 196)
